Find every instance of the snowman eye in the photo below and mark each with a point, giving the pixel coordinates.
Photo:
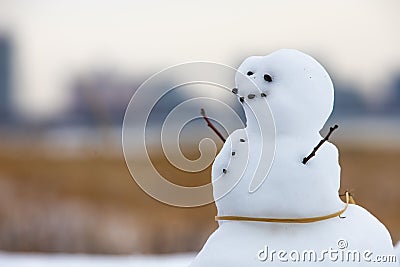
(267, 77)
(249, 73)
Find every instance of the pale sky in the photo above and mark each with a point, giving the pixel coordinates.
(357, 40)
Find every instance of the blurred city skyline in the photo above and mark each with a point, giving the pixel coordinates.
(53, 44)
(100, 97)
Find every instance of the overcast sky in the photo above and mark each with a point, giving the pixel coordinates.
(358, 41)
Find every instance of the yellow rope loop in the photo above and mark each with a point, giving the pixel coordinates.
(349, 199)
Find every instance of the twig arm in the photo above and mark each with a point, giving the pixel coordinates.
(312, 154)
(209, 124)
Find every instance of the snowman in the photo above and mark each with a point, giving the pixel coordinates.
(277, 203)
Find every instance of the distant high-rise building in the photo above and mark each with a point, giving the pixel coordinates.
(394, 103)
(5, 77)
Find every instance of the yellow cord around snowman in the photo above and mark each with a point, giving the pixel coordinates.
(349, 200)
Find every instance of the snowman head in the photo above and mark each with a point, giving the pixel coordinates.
(297, 88)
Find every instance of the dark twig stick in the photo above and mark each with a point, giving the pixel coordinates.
(209, 124)
(312, 154)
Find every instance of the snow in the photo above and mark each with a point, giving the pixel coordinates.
(397, 250)
(78, 260)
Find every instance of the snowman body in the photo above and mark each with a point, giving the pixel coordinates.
(299, 97)
(241, 243)
(259, 244)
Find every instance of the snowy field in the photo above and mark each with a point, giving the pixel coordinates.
(65, 260)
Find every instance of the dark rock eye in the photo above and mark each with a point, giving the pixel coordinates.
(267, 77)
(249, 73)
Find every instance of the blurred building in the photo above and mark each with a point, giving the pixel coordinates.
(393, 106)
(5, 78)
(99, 98)
(348, 101)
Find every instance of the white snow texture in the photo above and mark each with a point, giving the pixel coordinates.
(300, 97)
(76, 260)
